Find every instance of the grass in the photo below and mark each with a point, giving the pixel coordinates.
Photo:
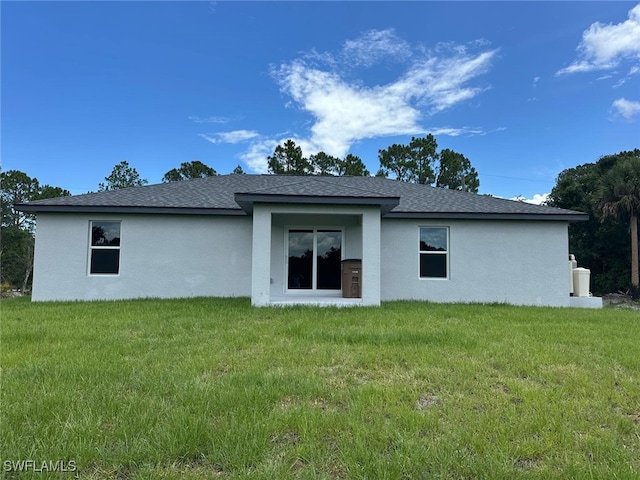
(212, 388)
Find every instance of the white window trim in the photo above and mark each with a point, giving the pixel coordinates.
(313, 290)
(447, 253)
(103, 247)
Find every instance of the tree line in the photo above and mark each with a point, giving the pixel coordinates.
(16, 230)
(418, 162)
(607, 244)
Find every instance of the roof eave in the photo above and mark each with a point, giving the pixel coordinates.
(27, 208)
(565, 217)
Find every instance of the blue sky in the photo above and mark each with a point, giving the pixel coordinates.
(523, 89)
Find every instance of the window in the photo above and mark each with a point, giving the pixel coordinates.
(434, 251)
(105, 248)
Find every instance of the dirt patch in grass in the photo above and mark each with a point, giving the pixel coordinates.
(620, 300)
(635, 417)
(427, 401)
(287, 438)
(526, 463)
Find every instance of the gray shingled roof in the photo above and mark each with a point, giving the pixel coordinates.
(235, 195)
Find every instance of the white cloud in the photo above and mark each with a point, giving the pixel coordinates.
(605, 46)
(256, 156)
(344, 109)
(627, 109)
(209, 138)
(347, 111)
(537, 199)
(374, 46)
(196, 119)
(235, 136)
(440, 82)
(455, 132)
(634, 70)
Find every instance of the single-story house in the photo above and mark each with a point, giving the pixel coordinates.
(284, 240)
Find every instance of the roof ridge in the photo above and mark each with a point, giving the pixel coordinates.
(364, 190)
(291, 181)
(302, 179)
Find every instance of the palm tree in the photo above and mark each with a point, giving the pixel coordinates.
(618, 195)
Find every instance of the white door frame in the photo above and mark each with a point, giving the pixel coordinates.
(314, 280)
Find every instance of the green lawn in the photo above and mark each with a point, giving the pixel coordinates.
(212, 388)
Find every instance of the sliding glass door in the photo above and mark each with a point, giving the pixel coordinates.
(313, 259)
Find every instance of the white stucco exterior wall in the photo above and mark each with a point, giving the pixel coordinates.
(165, 256)
(516, 262)
(371, 262)
(161, 256)
(261, 257)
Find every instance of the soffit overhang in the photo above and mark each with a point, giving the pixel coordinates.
(246, 201)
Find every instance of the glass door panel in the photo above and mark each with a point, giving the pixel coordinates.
(300, 274)
(328, 258)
